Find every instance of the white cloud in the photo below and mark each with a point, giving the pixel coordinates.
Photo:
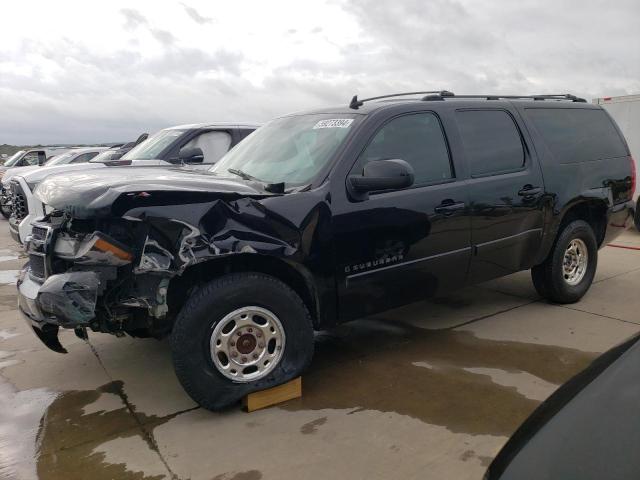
(86, 71)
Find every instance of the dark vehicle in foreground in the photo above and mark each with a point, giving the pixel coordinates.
(322, 217)
(589, 429)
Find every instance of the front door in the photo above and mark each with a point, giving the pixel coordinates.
(507, 193)
(401, 246)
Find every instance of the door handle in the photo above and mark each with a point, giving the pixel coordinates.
(447, 207)
(528, 191)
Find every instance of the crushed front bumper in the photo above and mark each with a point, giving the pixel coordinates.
(66, 300)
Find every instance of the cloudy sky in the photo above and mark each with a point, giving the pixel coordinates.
(79, 72)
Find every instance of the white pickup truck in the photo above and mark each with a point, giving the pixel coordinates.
(625, 110)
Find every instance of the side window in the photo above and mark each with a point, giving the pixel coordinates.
(577, 134)
(213, 144)
(85, 157)
(29, 159)
(491, 141)
(415, 138)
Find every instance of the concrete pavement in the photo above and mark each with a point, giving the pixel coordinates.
(430, 390)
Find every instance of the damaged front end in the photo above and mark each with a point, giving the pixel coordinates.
(66, 274)
(112, 273)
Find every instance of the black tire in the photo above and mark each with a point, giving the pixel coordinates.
(636, 217)
(548, 277)
(207, 306)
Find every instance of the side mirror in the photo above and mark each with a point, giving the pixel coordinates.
(191, 155)
(381, 175)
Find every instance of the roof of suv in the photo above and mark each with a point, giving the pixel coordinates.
(366, 106)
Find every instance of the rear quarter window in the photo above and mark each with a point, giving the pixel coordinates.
(576, 135)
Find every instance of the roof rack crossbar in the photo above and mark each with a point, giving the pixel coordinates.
(562, 96)
(356, 103)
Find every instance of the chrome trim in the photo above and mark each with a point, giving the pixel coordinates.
(423, 259)
(39, 247)
(526, 232)
(409, 262)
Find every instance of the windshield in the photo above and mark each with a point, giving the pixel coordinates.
(292, 150)
(14, 158)
(60, 159)
(106, 156)
(153, 146)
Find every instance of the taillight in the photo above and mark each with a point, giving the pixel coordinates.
(633, 177)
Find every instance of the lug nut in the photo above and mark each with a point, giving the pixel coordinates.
(250, 329)
(239, 333)
(243, 359)
(234, 354)
(255, 355)
(258, 334)
(233, 344)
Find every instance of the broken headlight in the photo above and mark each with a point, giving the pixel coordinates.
(95, 249)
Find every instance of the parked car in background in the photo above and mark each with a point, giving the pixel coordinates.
(322, 217)
(34, 156)
(117, 151)
(625, 111)
(72, 156)
(589, 429)
(194, 146)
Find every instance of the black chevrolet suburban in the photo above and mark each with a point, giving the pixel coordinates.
(325, 216)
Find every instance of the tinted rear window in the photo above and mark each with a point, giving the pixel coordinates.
(577, 135)
(491, 141)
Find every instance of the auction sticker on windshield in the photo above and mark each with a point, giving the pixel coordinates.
(334, 123)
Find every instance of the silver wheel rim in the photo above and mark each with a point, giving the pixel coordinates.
(247, 344)
(574, 264)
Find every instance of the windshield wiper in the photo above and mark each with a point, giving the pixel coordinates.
(243, 175)
(269, 187)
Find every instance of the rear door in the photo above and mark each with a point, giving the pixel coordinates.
(403, 245)
(506, 190)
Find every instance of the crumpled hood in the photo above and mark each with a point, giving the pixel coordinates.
(90, 193)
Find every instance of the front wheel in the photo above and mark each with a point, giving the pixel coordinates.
(237, 334)
(567, 273)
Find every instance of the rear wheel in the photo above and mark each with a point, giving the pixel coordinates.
(237, 334)
(636, 217)
(567, 273)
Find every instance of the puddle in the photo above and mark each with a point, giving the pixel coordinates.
(6, 335)
(20, 415)
(61, 436)
(248, 475)
(525, 383)
(8, 277)
(8, 255)
(442, 377)
(73, 442)
(9, 300)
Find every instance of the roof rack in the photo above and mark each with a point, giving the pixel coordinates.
(442, 94)
(355, 103)
(560, 96)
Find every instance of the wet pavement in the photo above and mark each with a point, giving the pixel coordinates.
(430, 390)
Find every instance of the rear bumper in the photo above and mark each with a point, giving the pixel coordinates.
(66, 300)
